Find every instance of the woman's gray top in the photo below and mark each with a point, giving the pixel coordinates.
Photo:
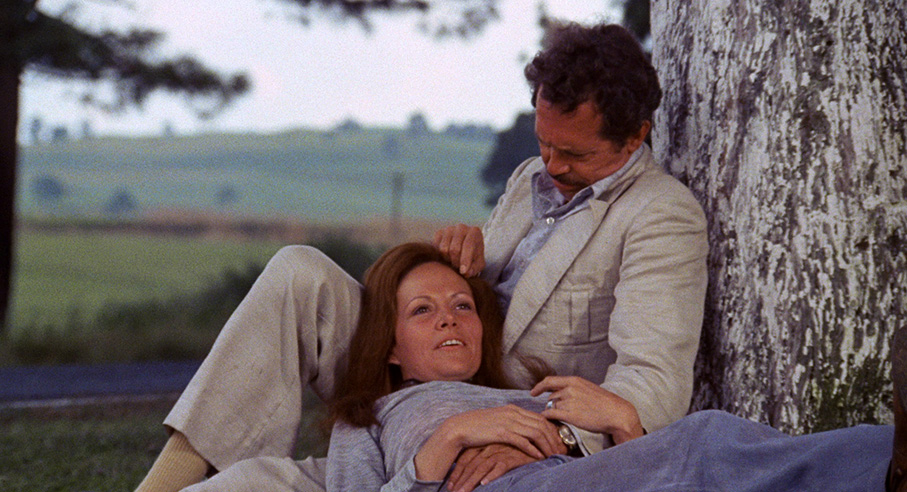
(380, 457)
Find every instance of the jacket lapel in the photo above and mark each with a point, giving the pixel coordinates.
(507, 236)
(557, 255)
(549, 266)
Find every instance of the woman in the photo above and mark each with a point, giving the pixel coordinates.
(425, 382)
(413, 399)
(421, 321)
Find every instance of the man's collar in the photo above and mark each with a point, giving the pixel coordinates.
(547, 198)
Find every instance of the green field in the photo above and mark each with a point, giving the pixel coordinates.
(104, 297)
(311, 175)
(92, 297)
(59, 276)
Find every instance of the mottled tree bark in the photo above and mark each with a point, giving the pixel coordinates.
(787, 120)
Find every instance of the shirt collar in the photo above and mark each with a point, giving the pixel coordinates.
(547, 200)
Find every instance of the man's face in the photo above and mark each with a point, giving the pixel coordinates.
(574, 154)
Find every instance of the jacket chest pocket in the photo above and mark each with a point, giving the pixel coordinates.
(577, 318)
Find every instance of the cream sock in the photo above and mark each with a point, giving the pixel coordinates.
(178, 466)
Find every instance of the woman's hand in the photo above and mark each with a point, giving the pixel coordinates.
(479, 466)
(527, 431)
(588, 406)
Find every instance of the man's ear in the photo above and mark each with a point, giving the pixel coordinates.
(635, 141)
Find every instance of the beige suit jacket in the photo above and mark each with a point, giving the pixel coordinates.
(616, 294)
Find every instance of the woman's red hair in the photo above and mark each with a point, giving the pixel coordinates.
(369, 376)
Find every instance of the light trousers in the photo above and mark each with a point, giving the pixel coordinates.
(292, 330)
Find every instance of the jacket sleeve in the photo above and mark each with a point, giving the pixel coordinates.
(659, 301)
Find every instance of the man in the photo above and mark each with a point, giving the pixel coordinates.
(615, 248)
(598, 256)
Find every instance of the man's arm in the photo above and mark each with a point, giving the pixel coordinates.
(463, 246)
(659, 300)
(656, 319)
(589, 407)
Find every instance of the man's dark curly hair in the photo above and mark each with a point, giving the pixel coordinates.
(604, 64)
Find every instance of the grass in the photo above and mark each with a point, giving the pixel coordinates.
(123, 298)
(86, 449)
(94, 298)
(101, 447)
(73, 276)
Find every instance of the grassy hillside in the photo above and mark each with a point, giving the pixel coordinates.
(96, 297)
(60, 276)
(318, 175)
(79, 287)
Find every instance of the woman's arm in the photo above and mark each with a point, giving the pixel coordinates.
(527, 431)
(355, 461)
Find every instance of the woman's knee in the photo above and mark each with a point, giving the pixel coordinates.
(305, 271)
(306, 260)
(300, 254)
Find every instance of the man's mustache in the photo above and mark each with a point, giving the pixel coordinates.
(567, 180)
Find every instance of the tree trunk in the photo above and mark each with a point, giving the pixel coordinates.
(787, 120)
(10, 71)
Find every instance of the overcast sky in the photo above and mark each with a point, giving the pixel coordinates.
(315, 76)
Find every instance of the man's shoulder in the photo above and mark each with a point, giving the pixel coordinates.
(520, 182)
(653, 182)
(527, 168)
(655, 193)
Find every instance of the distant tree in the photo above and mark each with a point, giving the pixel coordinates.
(391, 148)
(417, 126)
(59, 134)
(470, 131)
(511, 147)
(58, 47)
(87, 130)
(48, 188)
(35, 129)
(349, 125)
(121, 203)
(168, 131)
(636, 18)
(226, 195)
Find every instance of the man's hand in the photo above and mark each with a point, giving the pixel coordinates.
(479, 466)
(464, 247)
(588, 406)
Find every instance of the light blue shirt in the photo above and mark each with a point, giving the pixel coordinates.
(548, 211)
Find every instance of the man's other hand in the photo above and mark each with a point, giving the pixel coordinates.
(464, 247)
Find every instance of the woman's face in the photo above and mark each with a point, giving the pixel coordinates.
(438, 333)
